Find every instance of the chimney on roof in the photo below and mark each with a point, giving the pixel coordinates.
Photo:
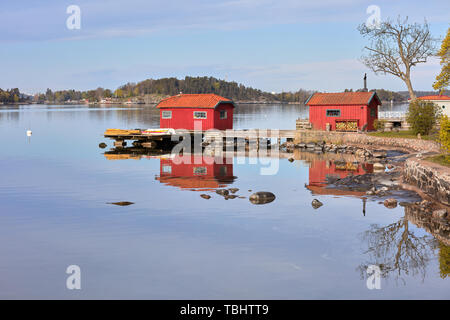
(365, 83)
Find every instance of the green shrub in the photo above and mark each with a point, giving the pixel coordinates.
(422, 116)
(379, 125)
(444, 133)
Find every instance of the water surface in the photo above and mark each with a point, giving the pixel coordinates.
(57, 185)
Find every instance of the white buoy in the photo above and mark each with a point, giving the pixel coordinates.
(29, 133)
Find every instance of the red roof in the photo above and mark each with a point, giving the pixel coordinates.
(434, 97)
(193, 101)
(343, 98)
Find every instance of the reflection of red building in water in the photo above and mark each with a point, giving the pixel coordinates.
(320, 170)
(199, 173)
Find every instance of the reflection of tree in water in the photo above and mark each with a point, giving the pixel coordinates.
(397, 250)
(444, 260)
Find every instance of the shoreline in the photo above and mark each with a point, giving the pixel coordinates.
(431, 179)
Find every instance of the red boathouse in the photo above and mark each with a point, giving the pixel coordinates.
(343, 111)
(209, 110)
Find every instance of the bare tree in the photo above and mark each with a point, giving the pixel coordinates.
(395, 47)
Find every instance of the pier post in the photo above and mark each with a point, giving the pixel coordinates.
(120, 143)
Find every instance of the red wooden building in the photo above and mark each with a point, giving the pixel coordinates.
(344, 111)
(209, 110)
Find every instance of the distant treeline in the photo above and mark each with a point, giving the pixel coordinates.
(173, 86)
(12, 96)
(72, 95)
(384, 95)
(152, 90)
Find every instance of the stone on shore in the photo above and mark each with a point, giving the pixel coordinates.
(379, 154)
(439, 214)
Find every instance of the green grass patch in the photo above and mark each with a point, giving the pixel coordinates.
(408, 134)
(442, 159)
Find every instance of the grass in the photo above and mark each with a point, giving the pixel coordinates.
(408, 134)
(442, 159)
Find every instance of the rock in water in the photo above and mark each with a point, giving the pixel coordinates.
(102, 145)
(205, 196)
(233, 190)
(379, 154)
(316, 204)
(262, 197)
(222, 192)
(121, 203)
(291, 159)
(390, 203)
(378, 167)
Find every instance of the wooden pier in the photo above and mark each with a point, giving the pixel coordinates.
(148, 139)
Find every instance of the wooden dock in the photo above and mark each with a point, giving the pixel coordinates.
(151, 140)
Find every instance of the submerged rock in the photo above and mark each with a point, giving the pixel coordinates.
(222, 192)
(205, 196)
(262, 197)
(121, 203)
(316, 204)
(390, 203)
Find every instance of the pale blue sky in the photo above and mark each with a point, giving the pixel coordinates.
(271, 45)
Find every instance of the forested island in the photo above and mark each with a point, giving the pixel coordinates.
(151, 91)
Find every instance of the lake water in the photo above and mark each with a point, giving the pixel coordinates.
(56, 189)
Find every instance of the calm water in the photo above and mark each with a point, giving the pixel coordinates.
(56, 186)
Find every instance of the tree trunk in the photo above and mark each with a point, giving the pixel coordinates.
(412, 95)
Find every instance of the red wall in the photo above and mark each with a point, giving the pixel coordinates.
(360, 113)
(223, 124)
(183, 118)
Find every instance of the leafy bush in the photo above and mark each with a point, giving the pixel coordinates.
(422, 116)
(378, 125)
(444, 133)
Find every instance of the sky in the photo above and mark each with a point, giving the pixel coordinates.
(272, 45)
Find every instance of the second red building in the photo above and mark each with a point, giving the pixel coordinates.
(343, 111)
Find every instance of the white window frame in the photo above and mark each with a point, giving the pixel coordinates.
(197, 117)
(167, 169)
(165, 116)
(225, 114)
(200, 171)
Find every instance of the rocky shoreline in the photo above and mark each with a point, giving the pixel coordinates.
(387, 184)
